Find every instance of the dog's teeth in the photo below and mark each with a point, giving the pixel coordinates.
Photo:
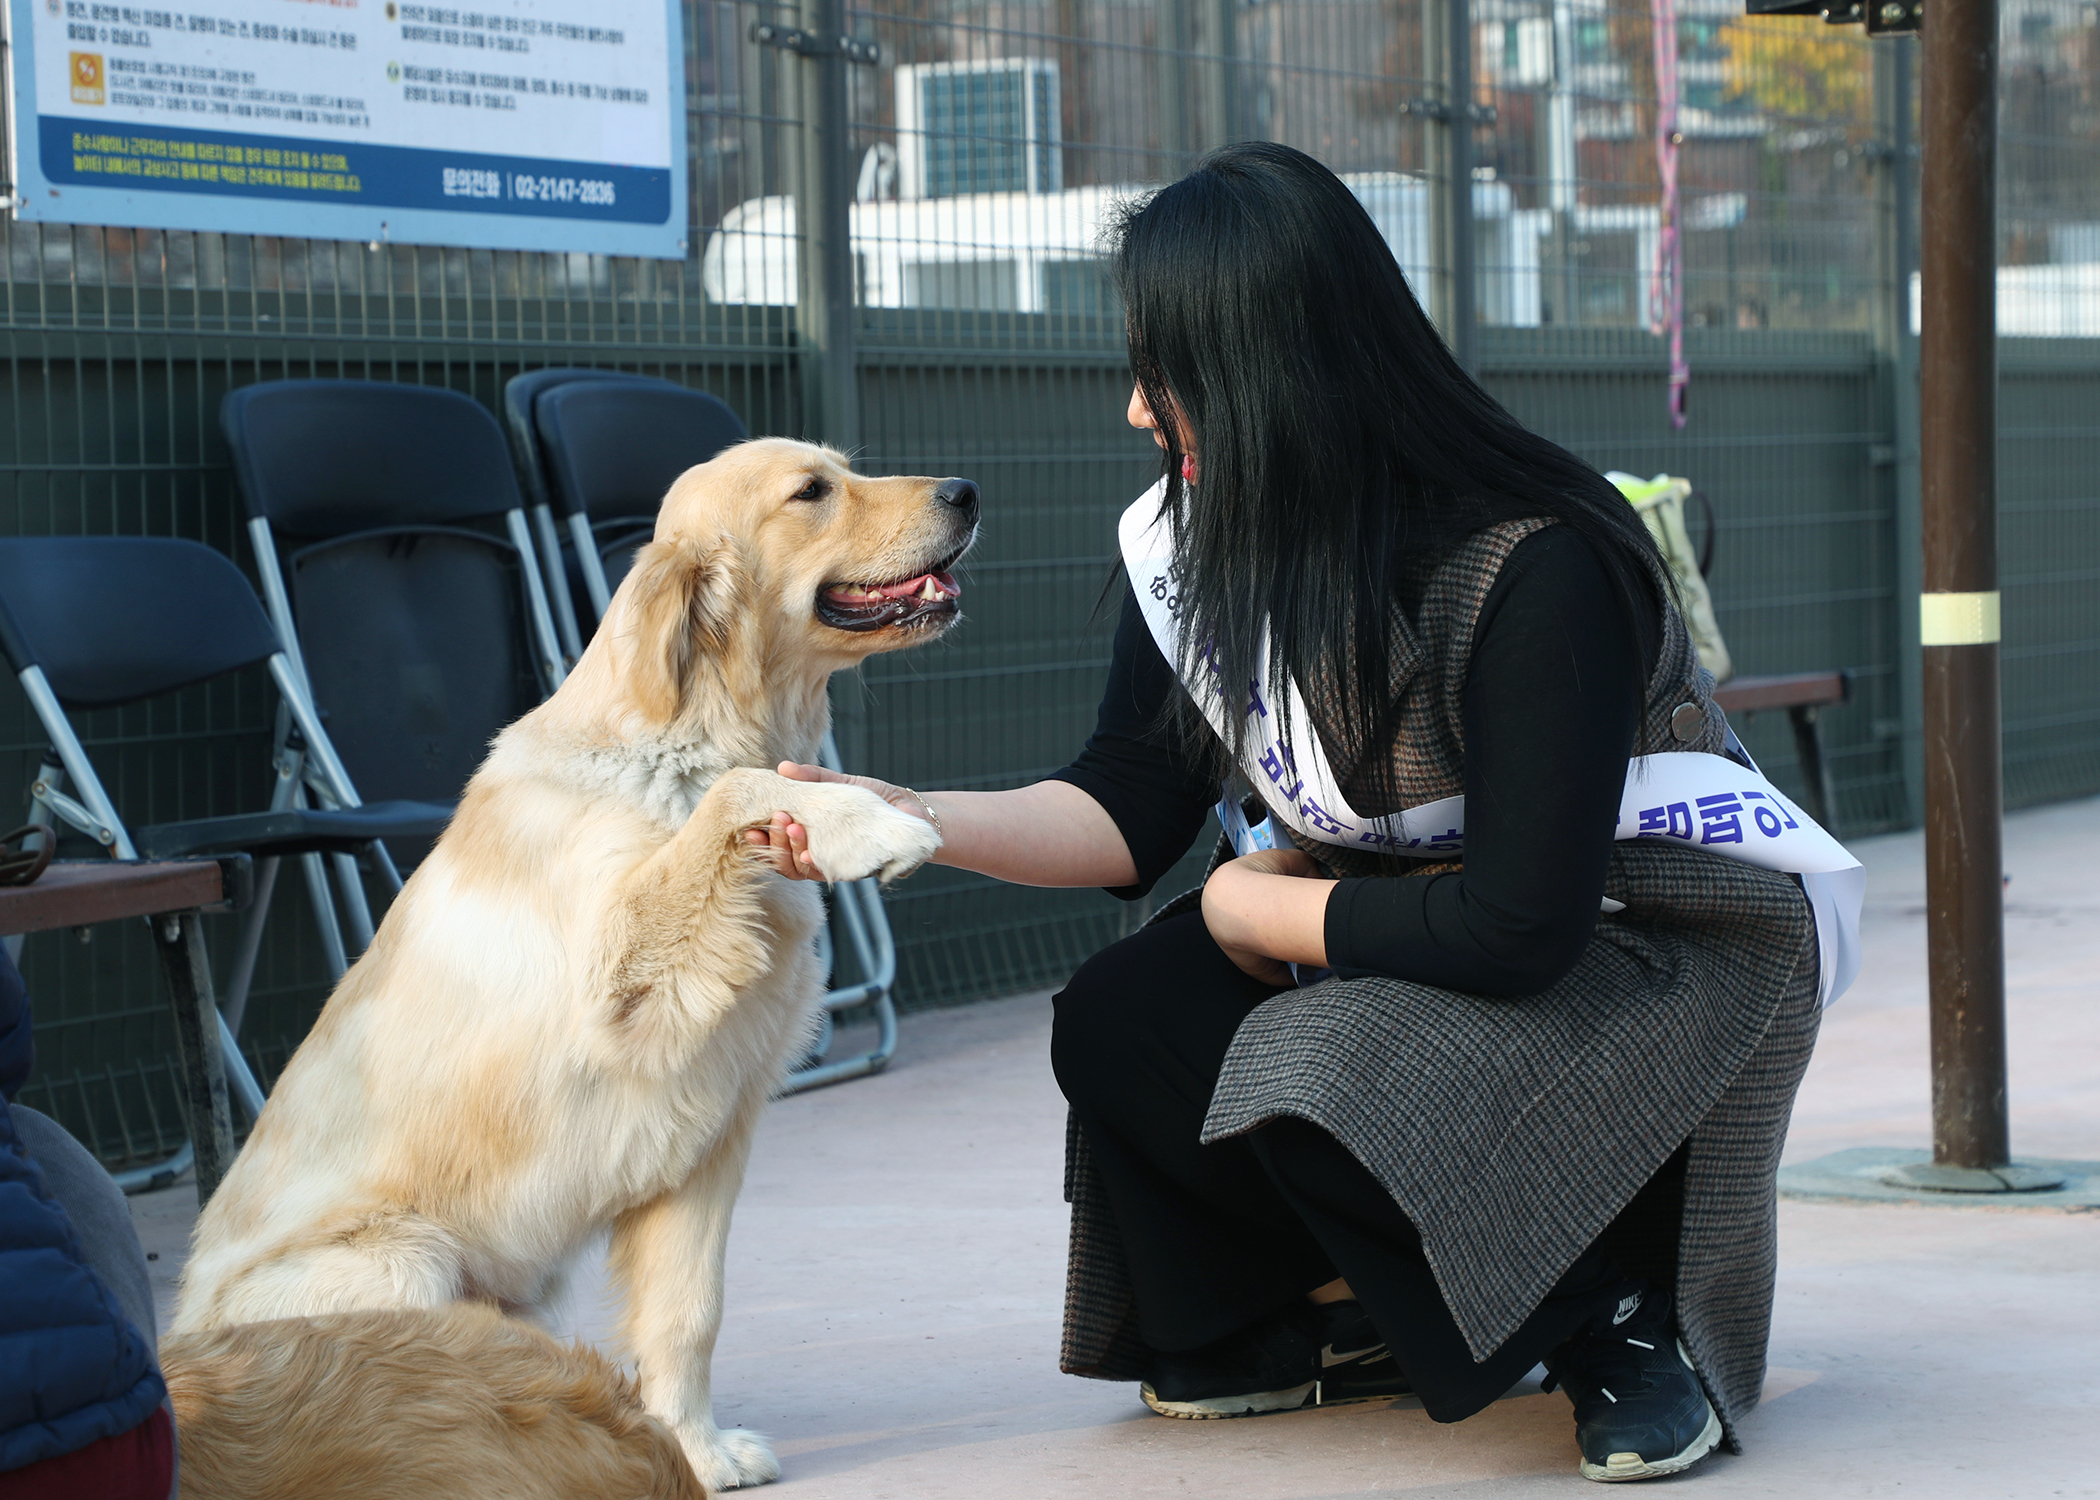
(930, 591)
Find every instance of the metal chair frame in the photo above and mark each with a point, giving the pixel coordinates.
(858, 905)
(305, 759)
(518, 395)
(550, 665)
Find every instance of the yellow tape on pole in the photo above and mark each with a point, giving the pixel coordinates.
(1958, 619)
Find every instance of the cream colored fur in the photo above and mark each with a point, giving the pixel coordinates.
(449, 1403)
(576, 1008)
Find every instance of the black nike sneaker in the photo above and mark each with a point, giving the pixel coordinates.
(1640, 1411)
(1355, 1364)
(1306, 1356)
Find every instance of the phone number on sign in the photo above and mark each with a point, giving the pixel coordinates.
(561, 189)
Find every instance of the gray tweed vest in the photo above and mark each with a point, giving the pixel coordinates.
(1512, 1132)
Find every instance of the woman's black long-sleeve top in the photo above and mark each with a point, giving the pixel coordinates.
(1551, 699)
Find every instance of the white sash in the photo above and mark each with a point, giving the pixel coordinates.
(1688, 796)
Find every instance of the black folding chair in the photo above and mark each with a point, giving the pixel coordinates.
(556, 560)
(398, 567)
(610, 450)
(98, 622)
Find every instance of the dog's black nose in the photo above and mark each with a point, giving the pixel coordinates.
(960, 493)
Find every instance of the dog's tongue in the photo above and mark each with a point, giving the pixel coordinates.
(943, 583)
(926, 585)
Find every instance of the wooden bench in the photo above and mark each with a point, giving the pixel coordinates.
(1802, 695)
(172, 893)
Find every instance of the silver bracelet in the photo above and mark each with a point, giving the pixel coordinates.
(931, 816)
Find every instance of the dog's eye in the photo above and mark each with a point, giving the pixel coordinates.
(816, 489)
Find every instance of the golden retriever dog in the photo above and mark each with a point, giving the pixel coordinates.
(449, 1403)
(578, 1005)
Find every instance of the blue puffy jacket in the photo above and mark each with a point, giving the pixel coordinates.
(72, 1367)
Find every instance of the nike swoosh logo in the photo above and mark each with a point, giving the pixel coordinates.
(1329, 1359)
(1628, 1306)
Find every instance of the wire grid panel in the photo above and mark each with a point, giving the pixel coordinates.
(120, 345)
(988, 151)
(1011, 695)
(992, 145)
(2049, 567)
(1781, 151)
(1775, 122)
(1784, 443)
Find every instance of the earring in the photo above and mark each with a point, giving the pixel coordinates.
(1188, 468)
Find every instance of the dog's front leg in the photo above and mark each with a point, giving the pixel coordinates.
(667, 1257)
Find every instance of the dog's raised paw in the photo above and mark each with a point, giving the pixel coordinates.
(736, 1458)
(854, 834)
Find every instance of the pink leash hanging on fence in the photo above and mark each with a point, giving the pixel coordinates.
(1666, 284)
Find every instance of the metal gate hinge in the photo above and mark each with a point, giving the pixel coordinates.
(810, 44)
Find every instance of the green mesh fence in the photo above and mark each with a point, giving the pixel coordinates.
(988, 348)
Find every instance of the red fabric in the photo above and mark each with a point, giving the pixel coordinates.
(134, 1465)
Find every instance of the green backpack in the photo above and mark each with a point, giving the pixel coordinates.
(1661, 503)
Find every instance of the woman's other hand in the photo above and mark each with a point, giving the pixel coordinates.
(1268, 910)
(785, 842)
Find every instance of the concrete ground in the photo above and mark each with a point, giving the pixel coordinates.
(898, 1262)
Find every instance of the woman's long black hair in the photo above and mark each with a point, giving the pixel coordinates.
(1340, 446)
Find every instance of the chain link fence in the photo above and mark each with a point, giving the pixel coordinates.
(903, 255)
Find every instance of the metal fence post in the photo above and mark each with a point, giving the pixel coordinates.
(825, 291)
(1221, 102)
(1447, 44)
(1171, 38)
(1896, 348)
(824, 296)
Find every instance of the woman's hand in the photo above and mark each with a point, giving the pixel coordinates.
(1267, 910)
(1050, 834)
(786, 842)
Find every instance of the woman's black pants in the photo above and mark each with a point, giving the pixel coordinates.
(1219, 1237)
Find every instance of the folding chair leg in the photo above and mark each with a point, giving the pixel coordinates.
(324, 915)
(859, 908)
(556, 573)
(1817, 782)
(383, 858)
(868, 931)
(235, 1005)
(359, 910)
(198, 1043)
(240, 1078)
(159, 1175)
(589, 565)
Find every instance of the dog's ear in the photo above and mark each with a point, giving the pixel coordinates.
(681, 605)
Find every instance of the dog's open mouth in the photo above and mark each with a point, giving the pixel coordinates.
(916, 601)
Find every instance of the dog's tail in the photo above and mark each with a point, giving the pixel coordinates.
(457, 1403)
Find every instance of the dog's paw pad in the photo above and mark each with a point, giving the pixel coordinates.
(737, 1459)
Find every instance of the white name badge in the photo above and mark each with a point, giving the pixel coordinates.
(1687, 797)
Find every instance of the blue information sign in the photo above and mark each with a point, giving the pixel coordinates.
(525, 124)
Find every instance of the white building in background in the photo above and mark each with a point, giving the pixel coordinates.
(969, 212)
(2037, 302)
(980, 127)
(1039, 252)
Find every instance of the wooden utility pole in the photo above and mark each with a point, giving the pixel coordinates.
(1958, 600)
(1958, 610)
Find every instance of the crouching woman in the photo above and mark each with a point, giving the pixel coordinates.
(1460, 1077)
